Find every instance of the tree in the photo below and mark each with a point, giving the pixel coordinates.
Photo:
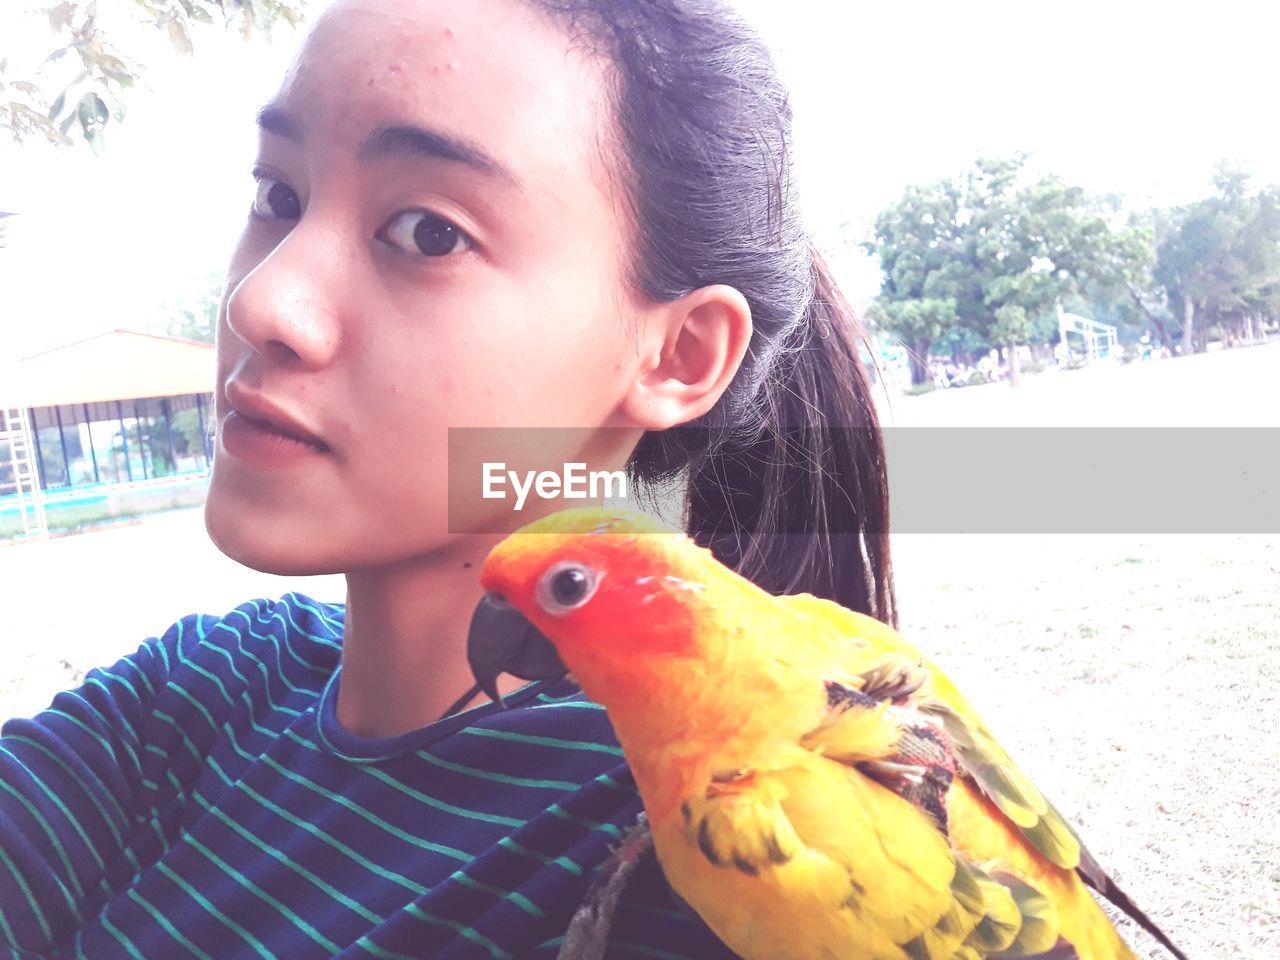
(1033, 243)
(1257, 255)
(1192, 267)
(1220, 263)
(918, 324)
(916, 240)
(34, 106)
(1123, 287)
(961, 344)
(1000, 249)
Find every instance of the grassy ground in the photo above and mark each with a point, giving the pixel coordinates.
(1134, 677)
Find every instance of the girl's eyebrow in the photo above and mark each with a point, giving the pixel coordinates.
(405, 139)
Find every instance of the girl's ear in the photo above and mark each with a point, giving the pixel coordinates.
(690, 350)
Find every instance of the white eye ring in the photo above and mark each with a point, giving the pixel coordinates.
(566, 586)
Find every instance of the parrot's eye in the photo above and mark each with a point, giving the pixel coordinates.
(566, 586)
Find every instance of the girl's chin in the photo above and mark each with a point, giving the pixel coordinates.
(275, 545)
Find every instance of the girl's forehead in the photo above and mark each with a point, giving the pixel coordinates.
(495, 72)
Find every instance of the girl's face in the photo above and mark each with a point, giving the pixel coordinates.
(434, 242)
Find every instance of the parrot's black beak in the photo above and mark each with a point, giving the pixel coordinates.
(501, 640)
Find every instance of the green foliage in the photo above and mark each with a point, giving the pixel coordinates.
(991, 253)
(984, 259)
(914, 321)
(31, 108)
(188, 437)
(917, 241)
(1033, 243)
(1220, 260)
(1123, 290)
(961, 341)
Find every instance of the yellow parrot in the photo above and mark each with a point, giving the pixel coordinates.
(815, 788)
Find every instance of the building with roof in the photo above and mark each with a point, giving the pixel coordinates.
(104, 425)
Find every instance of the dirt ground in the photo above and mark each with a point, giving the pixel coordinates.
(1134, 677)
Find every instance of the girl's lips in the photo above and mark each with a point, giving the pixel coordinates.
(266, 413)
(257, 442)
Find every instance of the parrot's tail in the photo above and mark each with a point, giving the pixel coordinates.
(1091, 873)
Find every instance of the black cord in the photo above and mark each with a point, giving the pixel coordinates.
(461, 702)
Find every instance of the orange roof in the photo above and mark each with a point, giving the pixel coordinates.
(116, 365)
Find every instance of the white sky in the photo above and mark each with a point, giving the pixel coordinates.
(1139, 98)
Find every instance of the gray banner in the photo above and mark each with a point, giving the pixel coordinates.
(941, 480)
(1084, 480)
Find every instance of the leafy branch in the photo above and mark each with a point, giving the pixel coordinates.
(31, 107)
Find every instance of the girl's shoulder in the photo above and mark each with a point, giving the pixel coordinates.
(265, 656)
(296, 636)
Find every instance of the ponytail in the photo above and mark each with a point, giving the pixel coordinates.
(785, 475)
(802, 505)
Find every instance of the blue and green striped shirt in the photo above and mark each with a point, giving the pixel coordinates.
(199, 799)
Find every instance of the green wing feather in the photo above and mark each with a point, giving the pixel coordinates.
(979, 754)
(987, 763)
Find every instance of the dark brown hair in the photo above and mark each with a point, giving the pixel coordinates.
(786, 474)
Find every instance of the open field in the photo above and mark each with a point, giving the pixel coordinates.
(1238, 388)
(1134, 677)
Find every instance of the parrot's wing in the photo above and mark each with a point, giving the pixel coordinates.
(796, 825)
(978, 754)
(981, 757)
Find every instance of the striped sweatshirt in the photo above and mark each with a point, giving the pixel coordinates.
(199, 799)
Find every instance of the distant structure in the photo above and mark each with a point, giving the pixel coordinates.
(1099, 338)
(99, 418)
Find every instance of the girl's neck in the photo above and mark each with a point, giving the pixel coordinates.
(404, 659)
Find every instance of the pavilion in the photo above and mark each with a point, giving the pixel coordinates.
(118, 413)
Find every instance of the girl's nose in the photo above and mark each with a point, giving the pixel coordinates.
(286, 306)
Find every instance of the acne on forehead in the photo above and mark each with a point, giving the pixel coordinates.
(398, 70)
(526, 92)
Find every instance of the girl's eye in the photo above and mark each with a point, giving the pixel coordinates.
(426, 233)
(275, 201)
(413, 230)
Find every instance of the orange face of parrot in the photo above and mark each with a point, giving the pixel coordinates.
(588, 590)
